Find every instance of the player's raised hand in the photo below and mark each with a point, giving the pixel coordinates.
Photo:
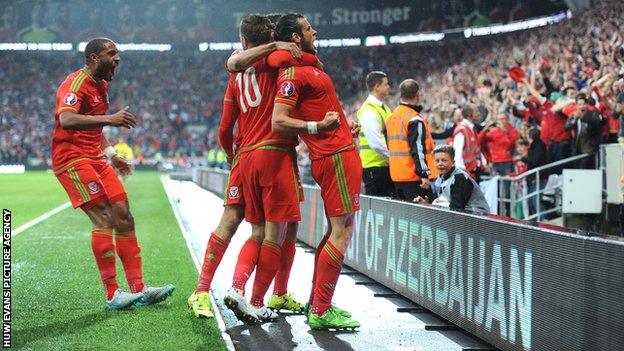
(330, 122)
(123, 118)
(292, 47)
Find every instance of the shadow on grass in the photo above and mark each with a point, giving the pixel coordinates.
(23, 337)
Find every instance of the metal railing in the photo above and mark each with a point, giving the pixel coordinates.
(508, 185)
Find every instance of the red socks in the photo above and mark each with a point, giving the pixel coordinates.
(214, 252)
(283, 272)
(129, 252)
(317, 253)
(328, 268)
(246, 263)
(268, 263)
(104, 252)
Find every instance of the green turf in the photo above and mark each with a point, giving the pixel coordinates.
(30, 195)
(58, 299)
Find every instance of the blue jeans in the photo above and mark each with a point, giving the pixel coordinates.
(532, 200)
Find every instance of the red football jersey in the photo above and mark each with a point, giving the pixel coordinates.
(79, 93)
(312, 93)
(253, 91)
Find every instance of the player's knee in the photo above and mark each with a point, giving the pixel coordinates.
(257, 235)
(292, 227)
(232, 217)
(123, 219)
(342, 233)
(101, 215)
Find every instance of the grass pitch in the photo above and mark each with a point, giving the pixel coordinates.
(30, 195)
(58, 299)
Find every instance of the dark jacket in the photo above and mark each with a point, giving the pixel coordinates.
(536, 157)
(587, 132)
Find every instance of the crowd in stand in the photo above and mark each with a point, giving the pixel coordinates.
(177, 96)
(577, 62)
(194, 21)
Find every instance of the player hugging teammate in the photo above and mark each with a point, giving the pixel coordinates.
(272, 108)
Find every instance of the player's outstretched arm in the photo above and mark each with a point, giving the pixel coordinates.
(247, 58)
(74, 121)
(283, 123)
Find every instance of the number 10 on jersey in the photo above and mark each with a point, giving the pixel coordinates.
(244, 79)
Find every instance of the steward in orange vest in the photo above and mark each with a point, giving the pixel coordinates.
(410, 145)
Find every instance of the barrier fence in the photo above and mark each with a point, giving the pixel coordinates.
(516, 286)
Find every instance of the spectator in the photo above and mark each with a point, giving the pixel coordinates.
(212, 158)
(150, 32)
(124, 150)
(535, 157)
(586, 124)
(38, 32)
(201, 31)
(126, 25)
(7, 28)
(498, 141)
(454, 187)
(410, 145)
(96, 28)
(618, 110)
(173, 31)
(373, 115)
(62, 23)
(467, 152)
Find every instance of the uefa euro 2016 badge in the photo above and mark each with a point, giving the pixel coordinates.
(93, 187)
(233, 192)
(70, 99)
(287, 88)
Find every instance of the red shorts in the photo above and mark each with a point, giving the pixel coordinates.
(234, 189)
(340, 179)
(89, 182)
(272, 186)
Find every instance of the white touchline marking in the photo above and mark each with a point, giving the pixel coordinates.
(40, 219)
(226, 337)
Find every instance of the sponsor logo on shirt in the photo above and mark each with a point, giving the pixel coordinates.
(287, 88)
(233, 192)
(70, 99)
(93, 187)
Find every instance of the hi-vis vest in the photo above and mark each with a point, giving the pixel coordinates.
(402, 167)
(471, 151)
(370, 157)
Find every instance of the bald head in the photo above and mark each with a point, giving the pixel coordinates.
(409, 90)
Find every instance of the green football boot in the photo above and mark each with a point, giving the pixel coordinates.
(200, 305)
(331, 319)
(343, 312)
(285, 302)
